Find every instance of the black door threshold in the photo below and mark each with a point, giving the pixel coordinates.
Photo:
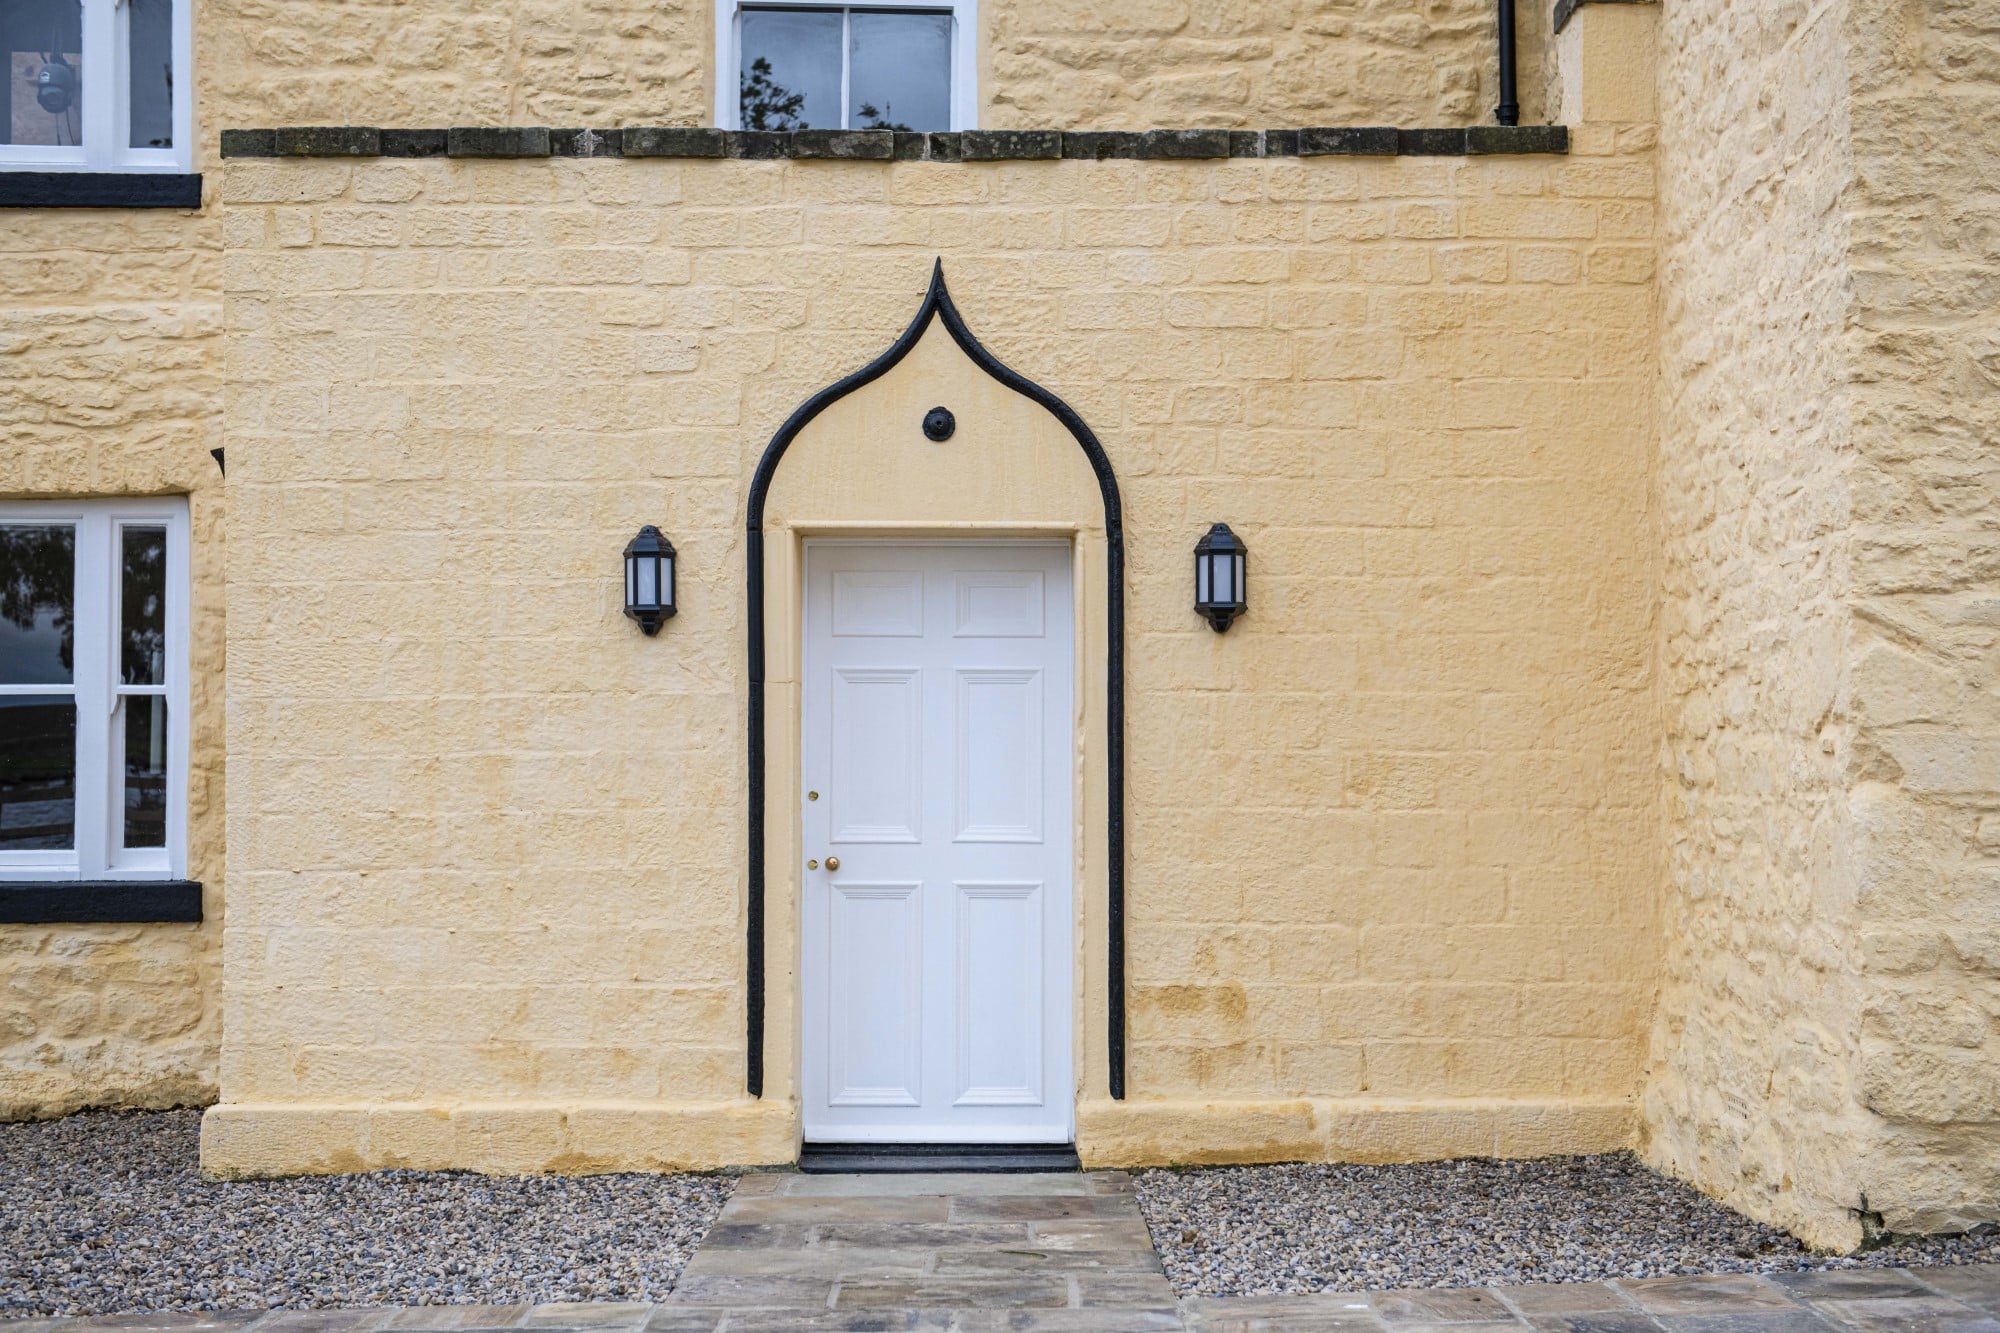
(904, 1158)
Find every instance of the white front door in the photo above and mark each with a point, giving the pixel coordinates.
(938, 761)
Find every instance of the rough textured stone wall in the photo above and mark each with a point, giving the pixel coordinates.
(487, 839)
(1149, 63)
(1755, 1049)
(1062, 63)
(110, 375)
(1925, 264)
(1825, 1047)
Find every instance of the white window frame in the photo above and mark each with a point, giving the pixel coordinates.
(964, 54)
(100, 787)
(106, 104)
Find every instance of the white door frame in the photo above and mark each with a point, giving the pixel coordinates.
(1062, 911)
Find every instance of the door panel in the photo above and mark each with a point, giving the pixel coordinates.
(875, 789)
(939, 746)
(1000, 603)
(878, 603)
(1000, 1056)
(876, 1006)
(998, 777)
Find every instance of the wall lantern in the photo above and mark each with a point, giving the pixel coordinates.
(1221, 570)
(649, 579)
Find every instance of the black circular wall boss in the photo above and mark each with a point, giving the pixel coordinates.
(939, 423)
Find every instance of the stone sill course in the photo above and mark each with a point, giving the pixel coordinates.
(100, 189)
(123, 901)
(894, 145)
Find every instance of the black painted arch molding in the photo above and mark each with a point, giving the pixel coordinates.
(938, 305)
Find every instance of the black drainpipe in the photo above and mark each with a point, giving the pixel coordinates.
(1509, 110)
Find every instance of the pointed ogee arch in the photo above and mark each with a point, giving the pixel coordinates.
(938, 305)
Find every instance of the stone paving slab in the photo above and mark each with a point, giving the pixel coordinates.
(1057, 1300)
(947, 1251)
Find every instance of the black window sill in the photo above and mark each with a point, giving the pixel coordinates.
(70, 901)
(99, 189)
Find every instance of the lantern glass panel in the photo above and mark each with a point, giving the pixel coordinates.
(648, 594)
(1236, 563)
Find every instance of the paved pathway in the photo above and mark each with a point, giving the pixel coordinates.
(926, 1252)
(1070, 1252)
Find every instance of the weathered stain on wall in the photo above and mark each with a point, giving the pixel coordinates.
(1826, 1036)
(111, 357)
(487, 840)
(1062, 63)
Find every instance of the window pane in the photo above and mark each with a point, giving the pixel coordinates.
(142, 606)
(43, 40)
(791, 69)
(900, 77)
(145, 771)
(37, 772)
(37, 585)
(152, 48)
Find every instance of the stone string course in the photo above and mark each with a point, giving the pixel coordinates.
(894, 145)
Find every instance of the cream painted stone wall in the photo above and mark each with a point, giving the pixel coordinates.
(110, 370)
(1825, 1050)
(112, 315)
(1070, 64)
(487, 839)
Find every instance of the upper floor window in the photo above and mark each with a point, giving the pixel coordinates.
(95, 85)
(823, 65)
(93, 689)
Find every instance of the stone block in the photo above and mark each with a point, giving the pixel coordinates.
(586, 143)
(673, 141)
(1431, 142)
(758, 144)
(1367, 141)
(850, 145)
(249, 143)
(1009, 145)
(1489, 140)
(1099, 145)
(415, 143)
(327, 141)
(1164, 144)
(497, 141)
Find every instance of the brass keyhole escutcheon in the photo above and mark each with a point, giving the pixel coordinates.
(833, 863)
(812, 865)
(812, 796)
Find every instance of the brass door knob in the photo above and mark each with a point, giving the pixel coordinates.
(833, 863)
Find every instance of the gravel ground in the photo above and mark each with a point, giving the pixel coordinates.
(1266, 1230)
(106, 1212)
